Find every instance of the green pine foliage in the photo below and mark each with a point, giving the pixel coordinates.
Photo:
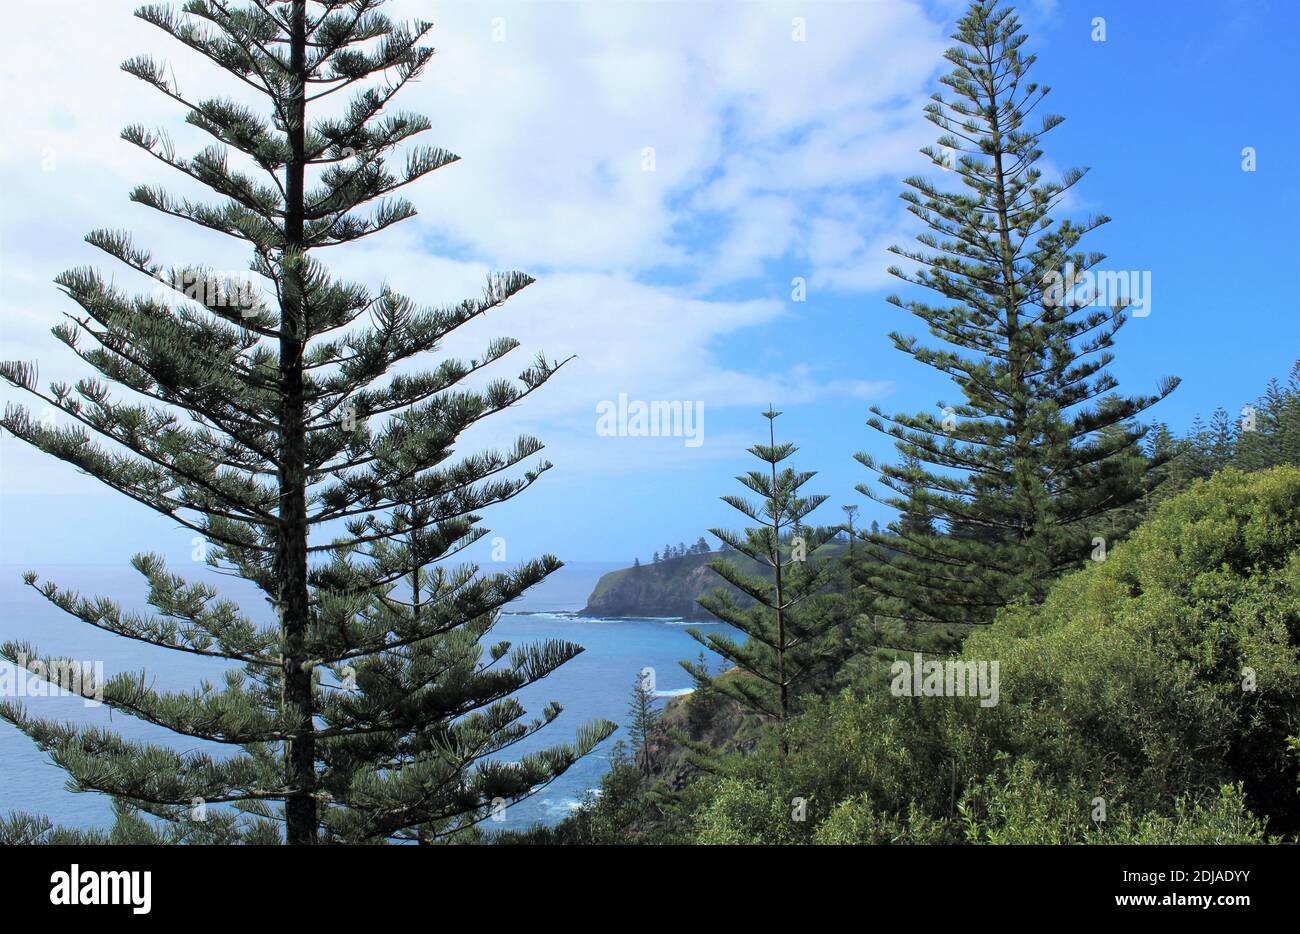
(368, 704)
(367, 701)
(643, 721)
(1262, 434)
(790, 632)
(1164, 680)
(1022, 466)
(1268, 431)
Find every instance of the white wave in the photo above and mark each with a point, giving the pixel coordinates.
(675, 692)
(563, 805)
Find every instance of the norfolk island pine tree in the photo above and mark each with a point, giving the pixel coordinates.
(367, 707)
(789, 630)
(1038, 454)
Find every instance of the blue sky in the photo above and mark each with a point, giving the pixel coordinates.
(773, 159)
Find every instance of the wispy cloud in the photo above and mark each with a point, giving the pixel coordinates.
(649, 163)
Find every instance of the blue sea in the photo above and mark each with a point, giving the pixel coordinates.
(594, 685)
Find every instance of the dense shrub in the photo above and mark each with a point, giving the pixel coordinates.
(1175, 663)
(1164, 680)
(1016, 807)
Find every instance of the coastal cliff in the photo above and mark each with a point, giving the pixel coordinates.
(665, 588)
(673, 587)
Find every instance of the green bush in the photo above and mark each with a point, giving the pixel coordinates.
(742, 812)
(1175, 663)
(855, 822)
(1131, 682)
(1016, 807)
(1164, 680)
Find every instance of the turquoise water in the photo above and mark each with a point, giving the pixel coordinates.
(594, 685)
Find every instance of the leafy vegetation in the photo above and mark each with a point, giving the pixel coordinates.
(1134, 596)
(1151, 697)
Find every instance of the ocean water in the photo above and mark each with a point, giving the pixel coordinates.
(594, 685)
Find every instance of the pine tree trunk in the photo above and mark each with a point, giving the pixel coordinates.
(780, 609)
(291, 556)
(1019, 402)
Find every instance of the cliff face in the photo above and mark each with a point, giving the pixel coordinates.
(669, 588)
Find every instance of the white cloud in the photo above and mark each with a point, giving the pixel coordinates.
(766, 150)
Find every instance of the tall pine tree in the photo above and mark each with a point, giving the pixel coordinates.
(1270, 428)
(1036, 448)
(643, 721)
(790, 631)
(365, 704)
